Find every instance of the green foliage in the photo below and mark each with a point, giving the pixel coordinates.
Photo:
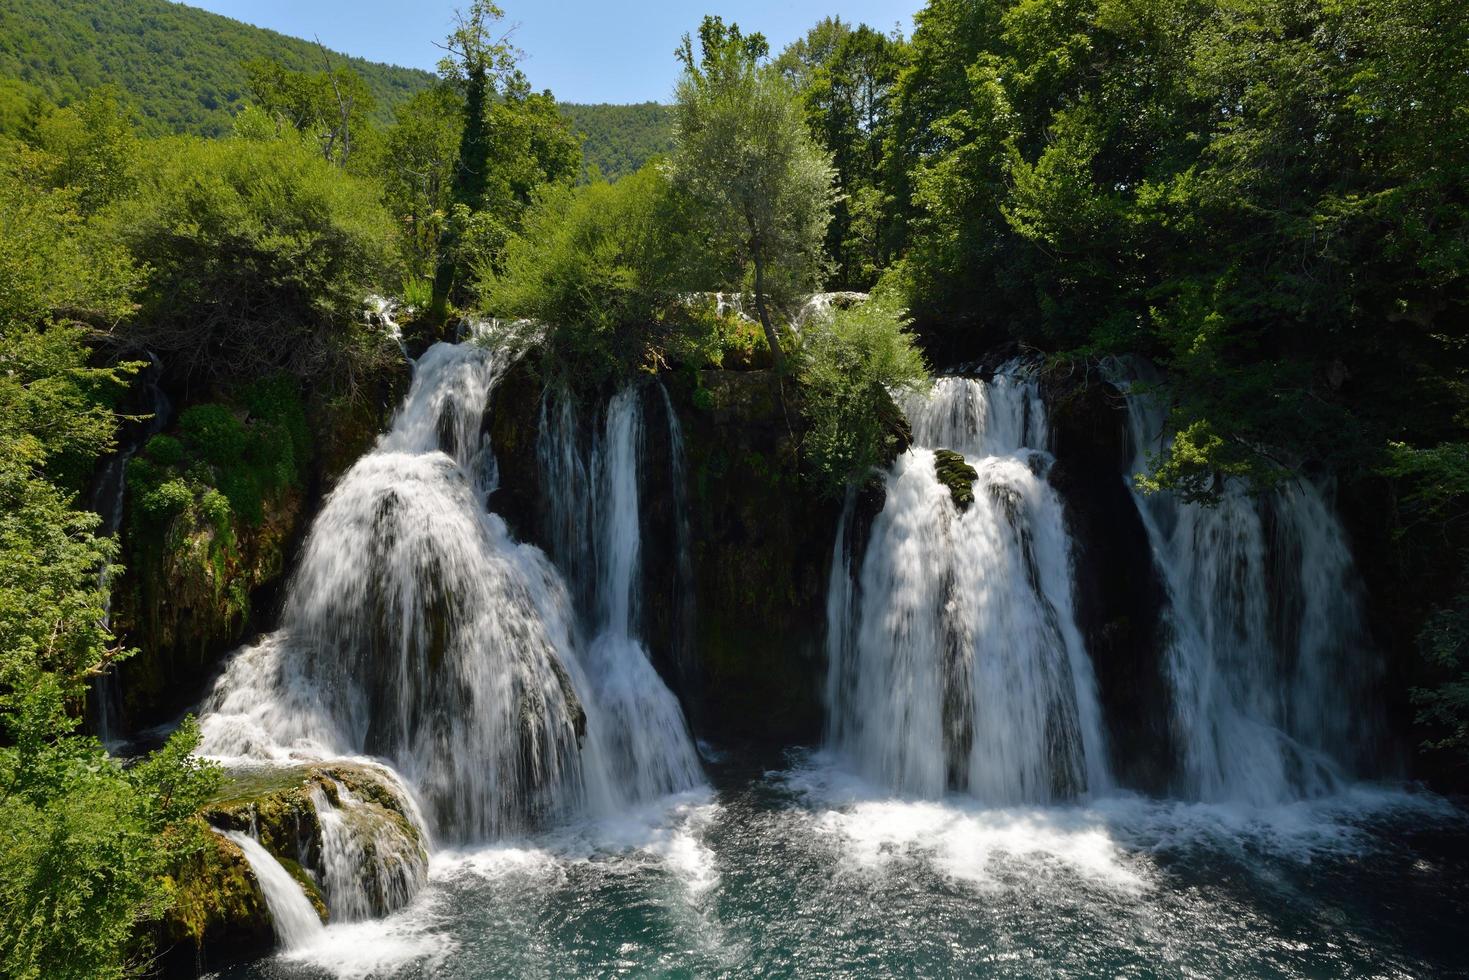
(332, 107)
(1444, 646)
(93, 148)
(602, 267)
(183, 67)
(260, 254)
(512, 142)
(743, 155)
(416, 160)
(1267, 198)
(847, 78)
(854, 362)
(618, 140)
(86, 844)
(227, 460)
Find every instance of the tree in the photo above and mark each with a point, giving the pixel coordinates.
(476, 60)
(742, 151)
(847, 79)
(84, 841)
(417, 160)
(327, 106)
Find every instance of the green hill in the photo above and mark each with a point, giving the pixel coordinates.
(182, 66)
(184, 70)
(621, 138)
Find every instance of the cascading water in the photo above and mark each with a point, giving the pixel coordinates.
(1267, 651)
(108, 497)
(295, 921)
(370, 864)
(419, 631)
(636, 721)
(955, 661)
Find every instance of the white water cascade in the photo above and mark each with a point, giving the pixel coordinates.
(369, 863)
(955, 660)
(417, 630)
(636, 721)
(1266, 646)
(291, 914)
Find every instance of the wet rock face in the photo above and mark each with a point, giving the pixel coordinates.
(218, 915)
(760, 543)
(1119, 598)
(303, 815)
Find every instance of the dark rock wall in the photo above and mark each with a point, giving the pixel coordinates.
(1119, 598)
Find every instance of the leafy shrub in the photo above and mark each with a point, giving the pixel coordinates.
(602, 267)
(853, 362)
(260, 254)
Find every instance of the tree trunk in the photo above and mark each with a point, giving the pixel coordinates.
(770, 335)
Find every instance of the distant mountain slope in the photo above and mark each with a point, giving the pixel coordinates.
(621, 138)
(184, 69)
(182, 66)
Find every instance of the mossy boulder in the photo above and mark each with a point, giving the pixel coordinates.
(218, 911)
(956, 474)
(278, 805)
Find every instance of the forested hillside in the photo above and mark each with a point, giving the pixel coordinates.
(184, 71)
(182, 67)
(621, 138)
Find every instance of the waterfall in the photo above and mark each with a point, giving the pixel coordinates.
(955, 660)
(1266, 645)
(294, 919)
(636, 725)
(417, 630)
(369, 864)
(108, 497)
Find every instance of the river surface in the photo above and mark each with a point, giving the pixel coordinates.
(808, 871)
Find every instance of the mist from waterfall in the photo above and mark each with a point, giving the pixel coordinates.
(955, 662)
(419, 631)
(1267, 653)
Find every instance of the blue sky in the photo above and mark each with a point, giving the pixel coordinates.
(583, 50)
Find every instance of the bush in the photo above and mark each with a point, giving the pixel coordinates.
(602, 267)
(260, 255)
(853, 363)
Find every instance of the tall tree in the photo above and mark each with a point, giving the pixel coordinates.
(744, 154)
(478, 58)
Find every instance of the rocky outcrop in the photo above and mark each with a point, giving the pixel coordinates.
(187, 596)
(312, 815)
(760, 544)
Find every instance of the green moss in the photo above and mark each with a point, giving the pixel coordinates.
(954, 473)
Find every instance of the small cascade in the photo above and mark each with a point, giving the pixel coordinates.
(109, 496)
(383, 314)
(291, 914)
(1267, 649)
(370, 864)
(955, 660)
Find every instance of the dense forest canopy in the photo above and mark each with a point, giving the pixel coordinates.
(1268, 200)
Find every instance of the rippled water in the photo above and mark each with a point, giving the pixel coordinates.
(810, 872)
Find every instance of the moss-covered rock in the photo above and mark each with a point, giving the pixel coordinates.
(760, 544)
(218, 911)
(953, 472)
(279, 806)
